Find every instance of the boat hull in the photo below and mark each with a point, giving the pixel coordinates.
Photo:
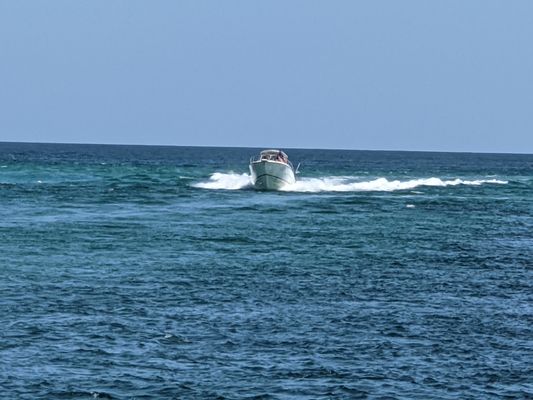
(271, 175)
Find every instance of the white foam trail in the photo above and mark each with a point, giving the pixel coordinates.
(232, 181)
(229, 181)
(335, 184)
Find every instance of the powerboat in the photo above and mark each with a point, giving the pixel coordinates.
(271, 170)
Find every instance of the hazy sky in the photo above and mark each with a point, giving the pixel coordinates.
(407, 75)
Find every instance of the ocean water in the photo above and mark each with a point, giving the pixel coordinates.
(158, 272)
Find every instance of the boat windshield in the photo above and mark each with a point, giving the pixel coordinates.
(274, 155)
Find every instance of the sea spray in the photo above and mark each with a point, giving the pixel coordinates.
(229, 181)
(233, 181)
(378, 185)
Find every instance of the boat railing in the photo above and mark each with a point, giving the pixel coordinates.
(292, 166)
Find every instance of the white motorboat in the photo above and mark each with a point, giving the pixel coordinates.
(272, 170)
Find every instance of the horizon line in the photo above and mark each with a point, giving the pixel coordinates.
(262, 147)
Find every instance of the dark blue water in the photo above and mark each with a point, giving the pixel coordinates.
(157, 272)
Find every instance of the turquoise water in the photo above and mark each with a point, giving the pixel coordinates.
(157, 272)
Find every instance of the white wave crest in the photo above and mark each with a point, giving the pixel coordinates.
(333, 184)
(229, 181)
(232, 181)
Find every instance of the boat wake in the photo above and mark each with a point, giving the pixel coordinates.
(232, 181)
(229, 181)
(345, 184)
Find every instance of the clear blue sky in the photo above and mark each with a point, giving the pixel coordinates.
(452, 75)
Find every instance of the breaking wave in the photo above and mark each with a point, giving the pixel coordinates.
(232, 181)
